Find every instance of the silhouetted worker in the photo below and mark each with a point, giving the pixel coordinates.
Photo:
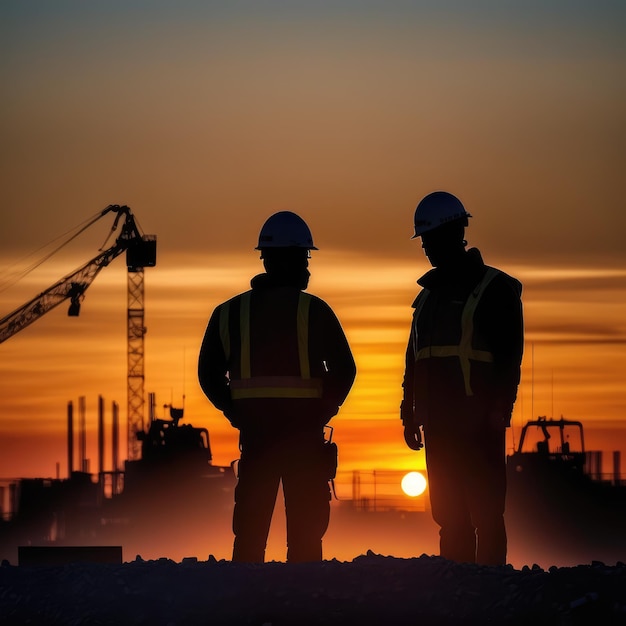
(276, 362)
(462, 372)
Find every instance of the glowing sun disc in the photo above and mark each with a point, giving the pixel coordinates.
(413, 484)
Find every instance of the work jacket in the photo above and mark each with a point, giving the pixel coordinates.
(275, 357)
(465, 348)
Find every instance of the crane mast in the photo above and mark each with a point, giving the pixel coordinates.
(135, 355)
(140, 253)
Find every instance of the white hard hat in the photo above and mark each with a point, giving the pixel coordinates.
(436, 209)
(285, 230)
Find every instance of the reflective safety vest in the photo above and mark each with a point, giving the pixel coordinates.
(464, 350)
(248, 386)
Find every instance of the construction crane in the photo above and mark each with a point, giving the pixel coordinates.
(140, 253)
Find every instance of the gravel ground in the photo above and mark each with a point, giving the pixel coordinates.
(371, 589)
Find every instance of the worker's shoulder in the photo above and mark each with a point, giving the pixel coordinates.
(234, 300)
(502, 280)
(315, 300)
(318, 305)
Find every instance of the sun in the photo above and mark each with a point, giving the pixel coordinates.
(413, 484)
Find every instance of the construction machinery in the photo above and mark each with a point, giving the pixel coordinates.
(171, 501)
(168, 481)
(551, 457)
(140, 253)
(559, 498)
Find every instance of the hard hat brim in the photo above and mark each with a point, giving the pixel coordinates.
(425, 229)
(279, 246)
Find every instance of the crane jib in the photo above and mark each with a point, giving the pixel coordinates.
(140, 252)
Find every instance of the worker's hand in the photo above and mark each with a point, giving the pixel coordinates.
(412, 432)
(406, 412)
(413, 437)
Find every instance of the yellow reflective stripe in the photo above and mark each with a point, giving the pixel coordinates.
(465, 356)
(443, 351)
(464, 350)
(467, 326)
(304, 302)
(276, 387)
(244, 333)
(224, 331)
(274, 392)
(277, 381)
(247, 386)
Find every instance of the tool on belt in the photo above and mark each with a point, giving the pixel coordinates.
(329, 458)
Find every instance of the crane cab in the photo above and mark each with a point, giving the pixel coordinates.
(141, 253)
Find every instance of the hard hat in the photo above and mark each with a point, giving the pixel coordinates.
(435, 209)
(285, 230)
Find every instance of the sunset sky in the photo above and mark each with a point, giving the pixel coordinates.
(207, 117)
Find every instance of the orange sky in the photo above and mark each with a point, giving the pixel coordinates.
(207, 120)
(577, 372)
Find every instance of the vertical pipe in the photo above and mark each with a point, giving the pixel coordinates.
(597, 465)
(532, 381)
(100, 437)
(593, 463)
(82, 443)
(617, 470)
(375, 492)
(115, 447)
(12, 500)
(151, 407)
(600, 465)
(70, 439)
(115, 434)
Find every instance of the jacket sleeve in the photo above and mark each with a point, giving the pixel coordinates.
(407, 409)
(331, 350)
(213, 366)
(505, 324)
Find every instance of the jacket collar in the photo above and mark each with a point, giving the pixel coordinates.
(468, 271)
(269, 281)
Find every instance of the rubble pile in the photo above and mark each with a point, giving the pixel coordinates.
(371, 589)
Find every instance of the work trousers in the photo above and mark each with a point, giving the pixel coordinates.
(298, 463)
(467, 483)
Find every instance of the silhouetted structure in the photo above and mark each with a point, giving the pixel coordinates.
(561, 507)
(140, 253)
(172, 498)
(276, 362)
(462, 372)
(560, 491)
